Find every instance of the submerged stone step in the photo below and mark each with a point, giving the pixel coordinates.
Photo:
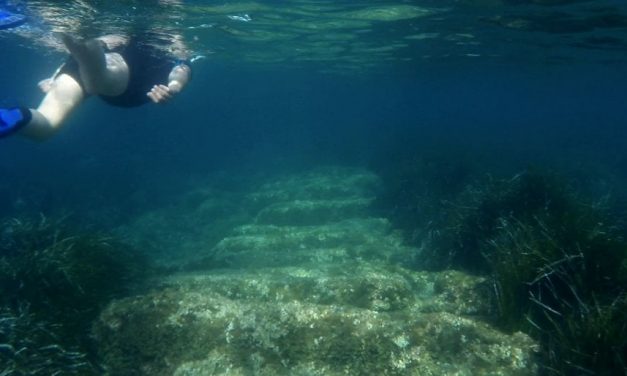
(313, 212)
(330, 183)
(270, 245)
(357, 232)
(375, 286)
(367, 320)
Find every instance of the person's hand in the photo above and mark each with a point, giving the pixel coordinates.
(163, 93)
(159, 94)
(177, 79)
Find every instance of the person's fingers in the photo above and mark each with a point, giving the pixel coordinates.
(159, 94)
(163, 92)
(152, 97)
(155, 96)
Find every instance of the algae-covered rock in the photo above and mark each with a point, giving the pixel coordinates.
(377, 286)
(360, 319)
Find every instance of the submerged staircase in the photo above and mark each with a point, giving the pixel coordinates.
(312, 284)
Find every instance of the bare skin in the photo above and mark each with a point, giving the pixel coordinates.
(102, 73)
(177, 79)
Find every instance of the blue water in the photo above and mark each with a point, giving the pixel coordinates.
(505, 86)
(230, 117)
(234, 110)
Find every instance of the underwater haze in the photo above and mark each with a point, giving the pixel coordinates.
(386, 187)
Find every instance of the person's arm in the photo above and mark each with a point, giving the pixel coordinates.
(177, 80)
(179, 77)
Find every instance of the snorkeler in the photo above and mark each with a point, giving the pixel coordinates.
(122, 71)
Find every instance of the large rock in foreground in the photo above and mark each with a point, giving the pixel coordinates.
(358, 319)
